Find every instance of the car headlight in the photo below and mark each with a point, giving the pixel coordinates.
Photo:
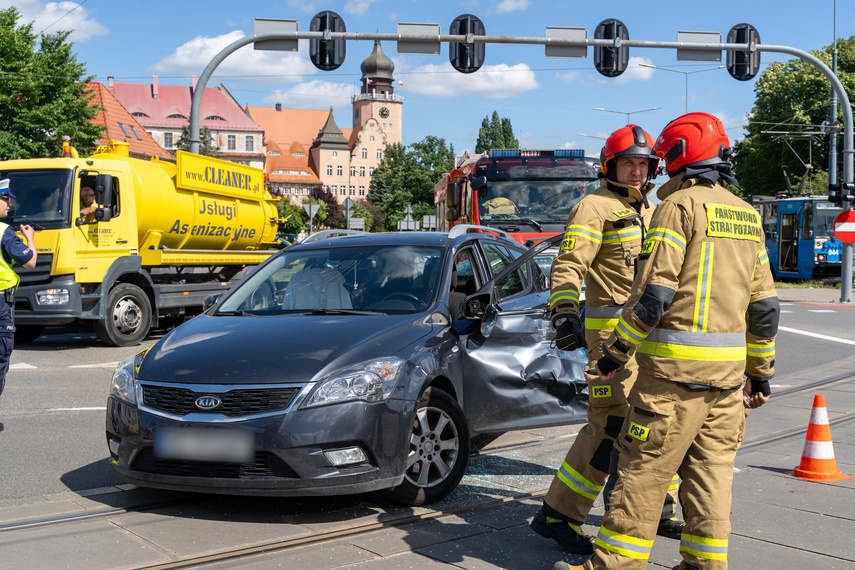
(370, 381)
(124, 383)
(52, 297)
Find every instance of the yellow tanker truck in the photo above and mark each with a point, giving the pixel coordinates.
(161, 238)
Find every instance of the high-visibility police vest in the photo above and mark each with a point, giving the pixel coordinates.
(8, 278)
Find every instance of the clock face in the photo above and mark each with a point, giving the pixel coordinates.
(384, 112)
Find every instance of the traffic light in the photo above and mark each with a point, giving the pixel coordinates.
(466, 58)
(743, 65)
(843, 192)
(611, 61)
(327, 55)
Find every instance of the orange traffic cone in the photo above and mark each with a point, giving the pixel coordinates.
(817, 462)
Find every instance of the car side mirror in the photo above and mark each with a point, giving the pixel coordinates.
(475, 306)
(210, 301)
(488, 321)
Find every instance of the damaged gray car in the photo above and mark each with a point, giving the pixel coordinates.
(346, 365)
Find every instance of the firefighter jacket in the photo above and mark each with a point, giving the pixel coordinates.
(600, 247)
(703, 309)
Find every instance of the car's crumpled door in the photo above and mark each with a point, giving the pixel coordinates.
(516, 378)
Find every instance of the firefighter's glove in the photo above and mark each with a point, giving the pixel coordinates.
(568, 333)
(759, 385)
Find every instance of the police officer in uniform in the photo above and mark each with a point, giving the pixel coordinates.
(12, 251)
(702, 315)
(603, 239)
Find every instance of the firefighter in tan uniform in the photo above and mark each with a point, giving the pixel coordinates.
(601, 244)
(703, 313)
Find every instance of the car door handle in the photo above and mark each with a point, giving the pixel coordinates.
(121, 241)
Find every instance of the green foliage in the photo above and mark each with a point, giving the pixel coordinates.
(408, 177)
(496, 132)
(792, 96)
(207, 146)
(294, 217)
(43, 94)
(334, 216)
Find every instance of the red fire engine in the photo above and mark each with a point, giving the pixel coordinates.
(527, 193)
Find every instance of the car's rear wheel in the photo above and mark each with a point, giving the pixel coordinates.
(438, 453)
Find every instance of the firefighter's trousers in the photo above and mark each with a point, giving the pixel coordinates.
(583, 473)
(673, 428)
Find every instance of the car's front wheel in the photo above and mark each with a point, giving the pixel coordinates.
(438, 453)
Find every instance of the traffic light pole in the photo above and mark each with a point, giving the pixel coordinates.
(616, 44)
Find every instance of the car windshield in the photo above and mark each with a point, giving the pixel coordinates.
(391, 279)
(824, 223)
(42, 197)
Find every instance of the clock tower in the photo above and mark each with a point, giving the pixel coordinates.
(376, 107)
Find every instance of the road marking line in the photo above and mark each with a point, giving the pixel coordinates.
(784, 311)
(101, 365)
(816, 335)
(101, 409)
(22, 366)
(821, 311)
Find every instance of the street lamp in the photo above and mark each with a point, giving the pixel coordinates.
(686, 73)
(627, 113)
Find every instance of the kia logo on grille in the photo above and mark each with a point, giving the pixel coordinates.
(207, 402)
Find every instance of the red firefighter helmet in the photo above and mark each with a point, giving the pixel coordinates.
(630, 140)
(695, 139)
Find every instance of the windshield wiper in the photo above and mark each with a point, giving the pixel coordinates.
(519, 221)
(341, 312)
(25, 220)
(238, 313)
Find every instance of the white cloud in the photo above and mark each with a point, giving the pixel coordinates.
(635, 72)
(246, 64)
(358, 7)
(308, 6)
(491, 81)
(316, 94)
(53, 17)
(506, 6)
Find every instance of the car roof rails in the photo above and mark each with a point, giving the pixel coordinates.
(461, 229)
(327, 234)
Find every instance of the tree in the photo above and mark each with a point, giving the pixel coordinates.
(43, 93)
(334, 216)
(791, 96)
(207, 145)
(496, 133)
(293, 216)
(407, 177)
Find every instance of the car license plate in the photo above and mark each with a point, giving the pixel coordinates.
(195, 444)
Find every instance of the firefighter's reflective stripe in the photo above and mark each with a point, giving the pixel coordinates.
(759, 350)
(670, 237)
(578, 483)
(575, 230)
(623, 234)
(709, 548)
(675, 483)
(566, 295)
(685, 345)
(602, 318)
(763, 256)
(702, 297)
(626, 330)
(623, 544)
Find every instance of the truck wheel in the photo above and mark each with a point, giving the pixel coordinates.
(128, 316)
(27, 333)
(438, 453)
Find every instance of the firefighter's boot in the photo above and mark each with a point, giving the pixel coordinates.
(568, 535)
(564, 566)
(671, 528)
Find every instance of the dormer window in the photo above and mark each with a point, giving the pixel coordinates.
(176, 116)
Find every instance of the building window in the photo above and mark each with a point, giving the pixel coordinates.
(124, 130)
(334, 190)
(250, 143)
(335, 154)
(379, 154)
(326, 189)
(343, 190)
(329, 170)
(352, 171)
(371, 139)
(339, 170)
(136, 134)
(364, 153)
(353, 190)
(371, 171)
(231, 142)
(167, 140)
(362, 190)
(362, 171)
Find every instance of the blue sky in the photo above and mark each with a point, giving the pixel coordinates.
(549, 100)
